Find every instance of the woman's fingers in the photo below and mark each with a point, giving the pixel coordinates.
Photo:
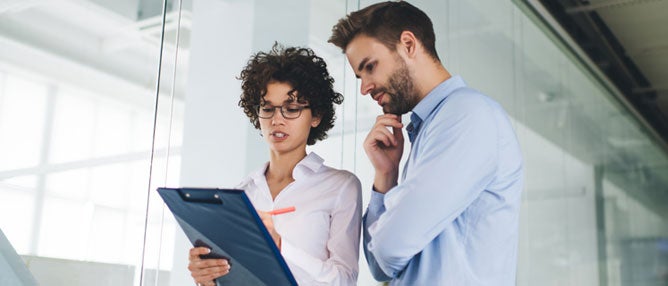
(204, 264)
(207, 270)
(195, 252)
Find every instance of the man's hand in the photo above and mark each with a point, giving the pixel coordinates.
(384, 149)
(204, 271)
(269, 224)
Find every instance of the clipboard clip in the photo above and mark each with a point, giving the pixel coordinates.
(200, 196)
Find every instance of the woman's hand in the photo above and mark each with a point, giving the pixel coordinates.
(269, 224)
(204, 271)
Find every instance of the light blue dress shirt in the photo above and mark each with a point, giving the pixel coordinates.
(454, 218)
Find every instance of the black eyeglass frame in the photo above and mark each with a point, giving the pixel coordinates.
(284, 110)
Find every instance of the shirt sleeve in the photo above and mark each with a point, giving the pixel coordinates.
(375, 209)
(454, 163)
(341, 268)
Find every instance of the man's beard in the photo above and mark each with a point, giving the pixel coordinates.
(403, 95)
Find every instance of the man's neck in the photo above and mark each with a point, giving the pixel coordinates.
(429, 75)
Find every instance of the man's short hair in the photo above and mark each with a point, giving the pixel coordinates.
(386, 21)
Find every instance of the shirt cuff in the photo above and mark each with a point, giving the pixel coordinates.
(376, 203)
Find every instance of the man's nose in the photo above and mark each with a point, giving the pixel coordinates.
(366, 87)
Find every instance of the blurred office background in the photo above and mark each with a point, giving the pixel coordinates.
(102, 101)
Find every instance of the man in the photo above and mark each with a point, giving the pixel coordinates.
(453, 220)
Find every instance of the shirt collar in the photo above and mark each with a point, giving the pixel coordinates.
(429, 103)
(310, 164)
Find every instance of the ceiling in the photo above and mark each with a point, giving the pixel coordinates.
(628, 41)
(108, 46)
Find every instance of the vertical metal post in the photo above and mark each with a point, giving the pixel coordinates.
(602, 243)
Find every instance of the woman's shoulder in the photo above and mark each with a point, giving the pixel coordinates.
(326, 175)
(331, 171)
(343, 177)
(313, 156)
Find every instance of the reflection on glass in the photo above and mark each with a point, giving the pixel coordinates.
(77, 99)
(77, 93)
(591, 206)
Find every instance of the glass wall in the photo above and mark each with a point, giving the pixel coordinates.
(79, 113)
(77, 106)
(593, 207)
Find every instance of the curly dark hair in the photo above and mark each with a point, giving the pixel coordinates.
(305, 72)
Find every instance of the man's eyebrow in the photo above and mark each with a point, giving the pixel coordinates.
(362, 63)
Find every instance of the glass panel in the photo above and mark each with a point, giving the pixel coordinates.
(598, 142)
(594, 205)
(77, 99)
(77, 115)
(593, 208)
(20, 145)
(17, 201)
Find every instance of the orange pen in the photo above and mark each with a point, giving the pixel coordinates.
(281, 211)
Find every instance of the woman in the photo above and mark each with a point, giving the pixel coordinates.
(288, 94)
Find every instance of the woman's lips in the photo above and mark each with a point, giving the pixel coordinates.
(279, 136)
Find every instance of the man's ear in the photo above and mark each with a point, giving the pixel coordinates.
(408, 43)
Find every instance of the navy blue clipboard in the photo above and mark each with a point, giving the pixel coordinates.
(225, 221)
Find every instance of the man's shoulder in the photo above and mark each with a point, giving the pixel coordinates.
(465, 96)
(463, 108)
(465, 101)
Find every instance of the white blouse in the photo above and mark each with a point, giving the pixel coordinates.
(320, 239)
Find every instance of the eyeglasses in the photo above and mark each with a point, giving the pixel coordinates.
(289, 111)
